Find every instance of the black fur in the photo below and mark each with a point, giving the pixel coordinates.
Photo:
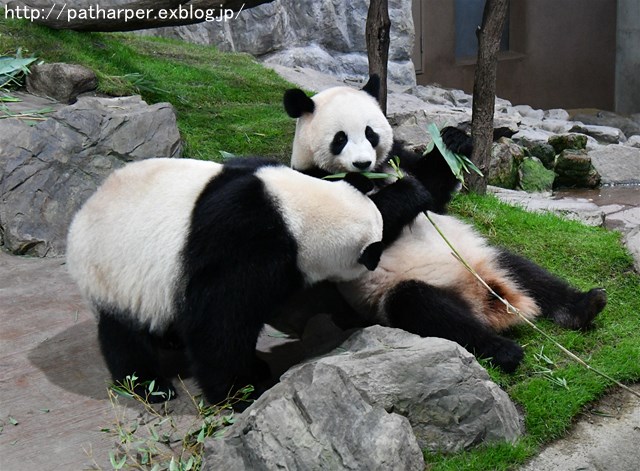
(359, 181)
(129, 349)
(297, 103)
(372, 136)
(372, 87)
(429, 311)
(400, 203)
(432, 170)
(218, 325)
(338, 142)
(560, 302)
(371, 255)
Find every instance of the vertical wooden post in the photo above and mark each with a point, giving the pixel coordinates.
(377, 35)
(484, 89)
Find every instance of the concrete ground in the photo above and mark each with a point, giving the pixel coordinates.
(54, 398)
(53, 381)
(605, 438)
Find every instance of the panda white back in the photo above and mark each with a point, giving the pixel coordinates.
(124, 244)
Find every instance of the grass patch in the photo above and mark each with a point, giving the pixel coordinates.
(228, 102)
(224, 102)
(587, 257)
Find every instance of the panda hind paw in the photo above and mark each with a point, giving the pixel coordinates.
(507, 355)
(591, 304)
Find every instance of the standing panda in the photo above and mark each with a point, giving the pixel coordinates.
(203, 253)
(418, 285)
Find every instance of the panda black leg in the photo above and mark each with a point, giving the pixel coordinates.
(222, 365)
(563, 304)
(128, 350)
(429, 311)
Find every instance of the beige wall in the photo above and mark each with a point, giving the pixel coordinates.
(562, 53)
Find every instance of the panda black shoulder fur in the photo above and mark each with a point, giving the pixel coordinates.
(418, 286)
(203, 253)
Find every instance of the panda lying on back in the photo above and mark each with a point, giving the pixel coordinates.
(418, 285)
(204, 253)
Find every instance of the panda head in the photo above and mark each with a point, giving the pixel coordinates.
(340, 129)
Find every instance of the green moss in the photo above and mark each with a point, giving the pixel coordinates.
(568, 141)
(533, 176)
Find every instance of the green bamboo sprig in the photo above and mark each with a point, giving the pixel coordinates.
(513, 310)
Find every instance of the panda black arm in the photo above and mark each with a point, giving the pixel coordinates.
(432, 170)
(356, 179)
(399, 203)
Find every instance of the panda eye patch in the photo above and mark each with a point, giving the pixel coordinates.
(372, 136)
(340, 140)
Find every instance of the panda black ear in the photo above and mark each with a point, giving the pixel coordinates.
(371, 256)
(372, 87)
(296, 103)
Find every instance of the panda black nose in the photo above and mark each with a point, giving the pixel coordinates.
(362, 164)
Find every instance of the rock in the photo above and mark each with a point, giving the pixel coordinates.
(447, 396)
(574, 209)
(316, 420)
(63, 82)
(48, 170)
(531, 135)
(568, 141)
(534, 177)
(432, 95)
(574, 169)
(617, 164)
(633, 141)
(542, 151)
(555, 126)
(506, 155)
(556, 114)
(602, 134)
(528, 112)
(607, 118)
(624, 220)
(347, 410)
(310, 33)
(632, 241)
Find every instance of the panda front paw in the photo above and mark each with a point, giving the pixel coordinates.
(457, 141)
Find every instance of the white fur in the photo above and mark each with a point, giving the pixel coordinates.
(332, 222)
(340, 109)
(124, 244)
(420, 254)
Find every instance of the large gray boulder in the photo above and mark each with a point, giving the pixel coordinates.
(617, 164)
(48, 170)
(373, 403)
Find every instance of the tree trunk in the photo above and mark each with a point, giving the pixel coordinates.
(484, 89)
(134, 15)
(377, 34)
